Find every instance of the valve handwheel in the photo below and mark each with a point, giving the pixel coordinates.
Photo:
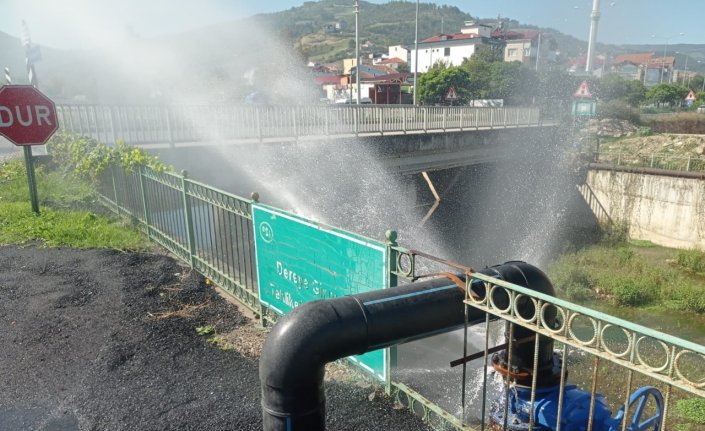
(640, 397)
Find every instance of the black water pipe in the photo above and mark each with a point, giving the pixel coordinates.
(303, 341)
(522, 358)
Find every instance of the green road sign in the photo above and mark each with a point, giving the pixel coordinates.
(584, 107)
(299, 260)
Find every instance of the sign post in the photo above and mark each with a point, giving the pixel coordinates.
(27, 117)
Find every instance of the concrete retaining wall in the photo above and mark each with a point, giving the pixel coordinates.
(665, 210)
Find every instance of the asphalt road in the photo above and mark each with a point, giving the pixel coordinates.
(105, 340)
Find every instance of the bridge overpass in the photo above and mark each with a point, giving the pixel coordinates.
(408, 139)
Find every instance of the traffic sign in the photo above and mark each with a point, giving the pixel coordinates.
(583, 91)
(690, 97)
(299, 261)
(451, 94)
(27, 117)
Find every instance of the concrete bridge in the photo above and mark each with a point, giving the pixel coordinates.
(408, 139)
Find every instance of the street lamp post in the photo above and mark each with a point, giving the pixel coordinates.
(665, 45)
(356, 4)
(416, 50)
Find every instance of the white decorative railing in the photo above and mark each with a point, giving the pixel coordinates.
(170, 124)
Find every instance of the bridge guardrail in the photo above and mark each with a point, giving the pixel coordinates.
(212, 230)
(151, 124)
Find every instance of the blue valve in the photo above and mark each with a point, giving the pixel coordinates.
(640, 397)
(576, 410)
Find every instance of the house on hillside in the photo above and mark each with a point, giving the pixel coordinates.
(631, 66)
(526, 46)
(394, 63)
(452, 49)
(398, 51)
(644, 67)
(599, 65)
(659, 69)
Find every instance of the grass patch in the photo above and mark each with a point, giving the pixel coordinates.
(691, 409)
(64, 218)
(628, 274)
(641, 243)
(218, 341)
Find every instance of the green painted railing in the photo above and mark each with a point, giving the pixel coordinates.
(208, 228)
(212, 231)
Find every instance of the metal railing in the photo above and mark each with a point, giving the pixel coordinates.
(207, 228)
(152, 124)
(653, 160)
(212, 231)
(615, 348)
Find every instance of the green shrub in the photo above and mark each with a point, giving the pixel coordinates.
(644, 131)
(86, 158)
(626, 290)
(620, 110)
(616, 234)
(692, 297)
(693, 260)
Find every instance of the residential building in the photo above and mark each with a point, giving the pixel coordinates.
(452, 49)
(645, 67)
(394, 62)
(399, 51)
(348, 65)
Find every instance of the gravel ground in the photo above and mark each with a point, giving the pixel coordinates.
(105, 340)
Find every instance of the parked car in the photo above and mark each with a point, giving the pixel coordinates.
(701, 109)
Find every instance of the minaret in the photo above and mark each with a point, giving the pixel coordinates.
(595, 17)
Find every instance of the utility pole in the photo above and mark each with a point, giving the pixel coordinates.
(416, 50)
(538, 52)
(31, 55)
(595, 18)
(356, 4)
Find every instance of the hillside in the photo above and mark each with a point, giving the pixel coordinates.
(265, 53)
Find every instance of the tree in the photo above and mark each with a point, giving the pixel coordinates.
(513, 82)
(615, 87)
(480, 72)
(490, 54)
(434, 84)
(666, 93)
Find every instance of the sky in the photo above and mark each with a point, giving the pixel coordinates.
(86, 24)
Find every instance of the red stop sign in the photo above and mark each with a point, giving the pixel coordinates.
(27, 117)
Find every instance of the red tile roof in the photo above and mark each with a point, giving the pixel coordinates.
(392, 61)
(658, 62)
(324, 80)
(637, 59)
